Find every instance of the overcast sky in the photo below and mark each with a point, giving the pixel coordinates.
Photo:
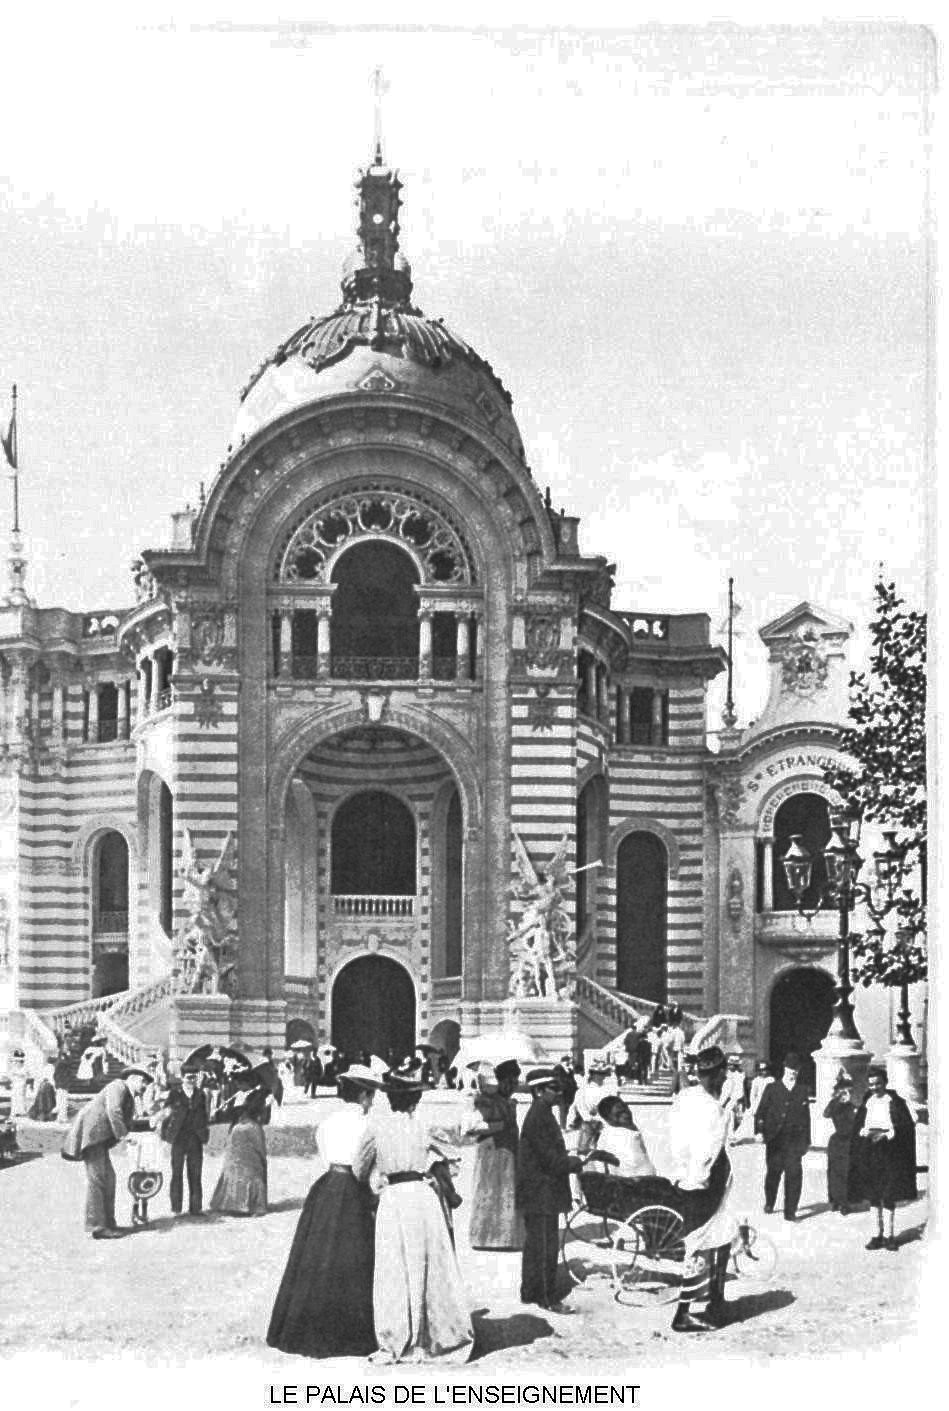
(695, 257)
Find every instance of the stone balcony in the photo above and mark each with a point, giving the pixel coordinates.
(786, 928)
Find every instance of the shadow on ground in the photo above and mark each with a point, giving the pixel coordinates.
(753, 1305)
(493, 1334)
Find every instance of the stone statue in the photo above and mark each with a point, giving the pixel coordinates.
(541, 943)
(207, 936)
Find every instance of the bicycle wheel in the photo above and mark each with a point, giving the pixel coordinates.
(586, 1245)
(648, 1257)
(754, 1254)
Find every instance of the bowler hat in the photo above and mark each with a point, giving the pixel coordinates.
(876, 1070)
(708, 1060)
(134, 1070)
(792, 1060)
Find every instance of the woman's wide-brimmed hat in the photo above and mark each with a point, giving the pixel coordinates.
(510, 1068)
(402, 1083)
(363, 1077)
(709, 1059)
(134, 1070)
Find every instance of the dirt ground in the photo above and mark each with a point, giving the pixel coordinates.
(183, 1291)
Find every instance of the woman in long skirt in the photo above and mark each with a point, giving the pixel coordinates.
(842, 1111)
(419, 1303)
(496, 1222)
(324, 1303)
(242, 1185)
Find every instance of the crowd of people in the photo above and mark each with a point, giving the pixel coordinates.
(373, 1270)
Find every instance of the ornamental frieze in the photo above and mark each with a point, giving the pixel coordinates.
(804, 663)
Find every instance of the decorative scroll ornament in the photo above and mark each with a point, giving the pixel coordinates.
(541, 942)
(207, 638)
(543, 641)
(731, 796)
(208, 935)
(735, 898)
(208, 711)
(375, 513)
(804, 663)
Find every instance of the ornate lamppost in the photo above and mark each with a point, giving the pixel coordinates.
(843, 890)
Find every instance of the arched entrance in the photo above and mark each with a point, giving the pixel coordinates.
(373, 1008)
(800, 1013)
(642, 870)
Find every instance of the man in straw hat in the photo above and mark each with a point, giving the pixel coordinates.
(100, 1125)
(698, 1132)
(543, 1190)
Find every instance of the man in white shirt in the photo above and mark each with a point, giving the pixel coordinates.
(622, 1139)
(702, 1174)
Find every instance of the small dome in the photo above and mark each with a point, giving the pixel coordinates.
(377, 340)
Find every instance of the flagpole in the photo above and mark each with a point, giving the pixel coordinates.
(16, 468)
(728, 715)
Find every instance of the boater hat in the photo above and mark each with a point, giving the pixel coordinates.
(362, 1076)
(133, 1070)
(539, 1078)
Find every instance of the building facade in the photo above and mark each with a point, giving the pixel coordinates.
(369, 667)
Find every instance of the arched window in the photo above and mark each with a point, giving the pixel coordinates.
(642, 870)
(166, 874)
(111, 886)
(373, 847)
(590, 822)
(374, 633)
(808, 815)
(453, 886)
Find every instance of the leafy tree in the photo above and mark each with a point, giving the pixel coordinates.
(886, 782)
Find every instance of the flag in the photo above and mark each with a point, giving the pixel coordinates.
(8, 438)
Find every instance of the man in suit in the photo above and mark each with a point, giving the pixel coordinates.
(100, 1125)
(783, 1121)
(543, 1190)
(186, 1125)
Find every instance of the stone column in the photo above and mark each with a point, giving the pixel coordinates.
(122, 724)
(286, 643)
(92, 730)
(323, 662)
(478, 629)
(142, 696)
(425, 645)
(155, 691)
(461, 647)
(767, 875)
(59, 711)
(657, 718)
(602, 695)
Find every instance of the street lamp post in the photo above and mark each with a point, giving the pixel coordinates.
(842, 890)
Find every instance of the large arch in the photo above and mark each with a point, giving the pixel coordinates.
(643, 823)
(373, 1008)
(642, 873)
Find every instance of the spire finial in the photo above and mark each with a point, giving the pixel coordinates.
(379, 89)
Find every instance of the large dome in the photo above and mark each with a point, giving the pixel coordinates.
(377, 341)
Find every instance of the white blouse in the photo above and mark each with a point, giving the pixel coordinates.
(338, 1135)
(879, 1118)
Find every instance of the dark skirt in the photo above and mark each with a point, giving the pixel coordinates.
(881, 1173)
(324, 1303)
(838, 1168)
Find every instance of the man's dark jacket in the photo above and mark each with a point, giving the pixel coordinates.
(185, 1116)
(785, 1116)
(543, 1165)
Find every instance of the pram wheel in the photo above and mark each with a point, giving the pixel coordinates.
(648, 1257)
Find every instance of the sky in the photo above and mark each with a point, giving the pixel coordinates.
(697, 257)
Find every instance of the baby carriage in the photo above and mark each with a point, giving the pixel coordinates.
(145, 1178)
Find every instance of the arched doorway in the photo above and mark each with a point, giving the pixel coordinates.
(300, 1029)
(642, 869)
(110, 915)
(801, 1008)
(374, 631)
(808, 815)
(373, 1008)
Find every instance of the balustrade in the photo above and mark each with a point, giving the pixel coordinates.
(367, 905)
(435, 660)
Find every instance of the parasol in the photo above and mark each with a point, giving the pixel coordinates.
(216, 1053)
(497, 1046)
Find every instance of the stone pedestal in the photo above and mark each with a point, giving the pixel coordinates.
(551, 1023)
(196, 1020)
(832, 1056)
(904, 1073)
(258, 1022)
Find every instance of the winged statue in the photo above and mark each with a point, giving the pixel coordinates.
(207, 936)
(541, 942)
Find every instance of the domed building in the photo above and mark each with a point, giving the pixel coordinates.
(370, 703)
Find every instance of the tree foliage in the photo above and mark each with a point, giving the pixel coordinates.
(885, 783)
